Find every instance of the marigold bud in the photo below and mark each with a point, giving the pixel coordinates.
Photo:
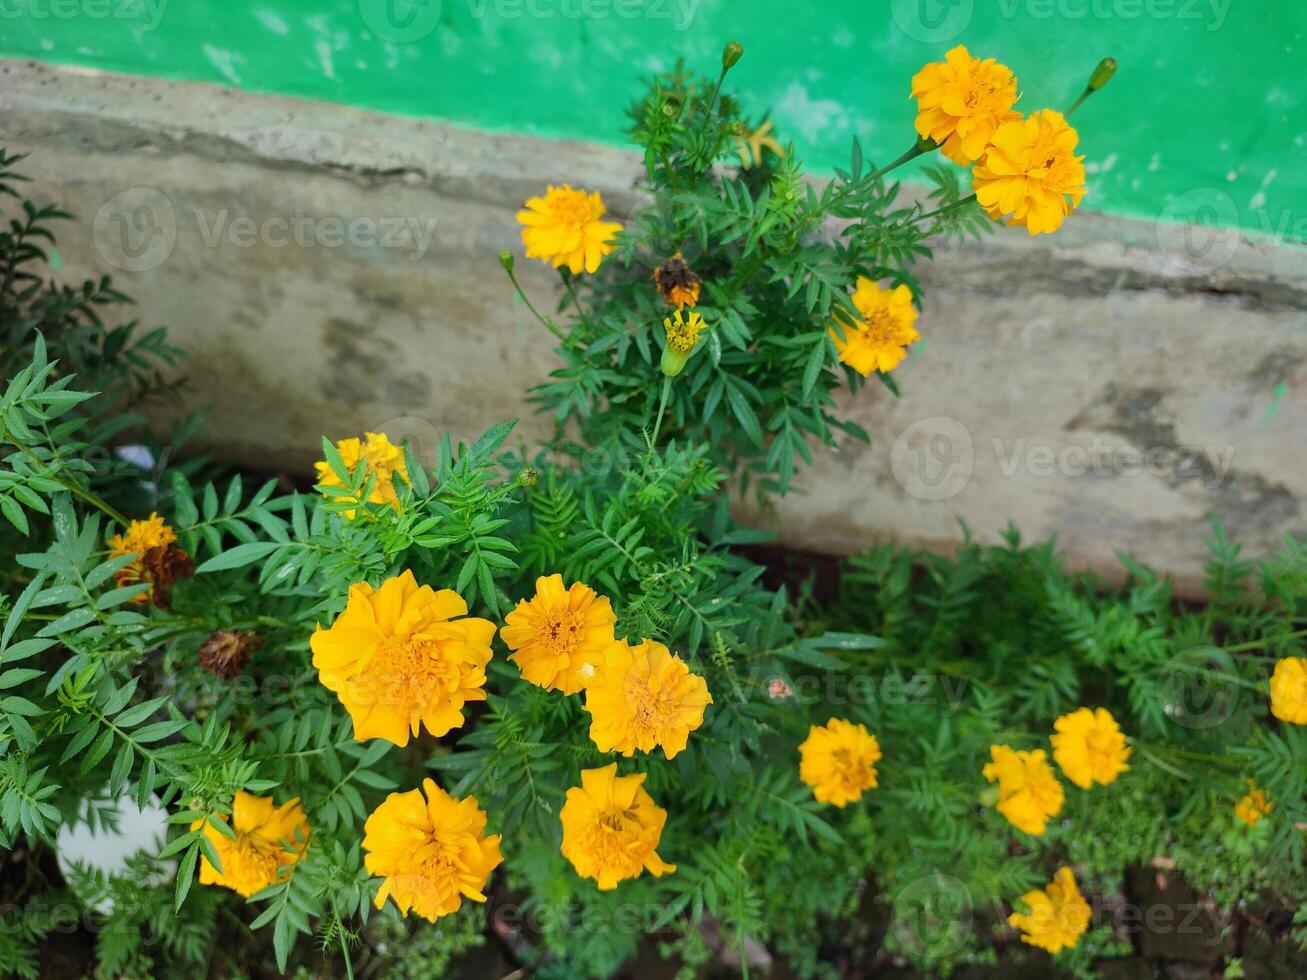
(506, 260)
(731, 55)
(527, 477)
(1102, 74)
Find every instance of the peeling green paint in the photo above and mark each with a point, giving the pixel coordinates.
(1206, 118)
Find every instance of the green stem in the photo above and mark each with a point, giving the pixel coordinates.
(949, 207)
(917, 149)
(1262, 644)
(344, 949)
(1078, 103)
(662, 407)
(549, 324)
(567, 283)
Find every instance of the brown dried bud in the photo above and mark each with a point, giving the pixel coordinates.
(676, 282)
(225, 651)
(161, 567)
(778, 690)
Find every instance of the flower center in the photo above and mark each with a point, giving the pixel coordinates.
(614, 839)
(571, 209)
(653, 711)
(879, 327)
(561, 632)
(411, 672)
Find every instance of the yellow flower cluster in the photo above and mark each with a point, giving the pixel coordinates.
(266, 840)
(1026, 169)
(382, 459)
(1058, 916)
(403, 657)
(878, 340)
(838, 760)
(1289, 690)
(566, 228)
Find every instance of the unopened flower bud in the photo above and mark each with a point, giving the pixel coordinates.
(506, 260)
(731, 54)
(1102, 74)
(527, 477)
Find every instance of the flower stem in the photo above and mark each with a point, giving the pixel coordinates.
(917, 149)
(571, 292)
(949, 207)
(662, 407)
(549, 324)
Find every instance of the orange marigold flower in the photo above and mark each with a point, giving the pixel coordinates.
(158, 560)
(838, 760)
(1028, 792)
(961, 101)
(1058, 916)
(399, 658)
(566, 227)
(1030, 174)
(878, 341)
(643, 696)
(1089, 747)
(268, 840)
(382, 458)
(560, 634)
(431, 850)
(611, 828)
(1289, 690)
(1253, 806)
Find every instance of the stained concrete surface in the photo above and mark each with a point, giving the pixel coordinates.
(332, 270)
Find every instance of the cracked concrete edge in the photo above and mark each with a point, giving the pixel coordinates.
(130, 114)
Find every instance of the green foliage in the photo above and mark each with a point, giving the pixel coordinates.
(778, 260)
(105, 699)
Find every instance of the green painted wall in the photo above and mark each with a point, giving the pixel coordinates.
(1207, 117)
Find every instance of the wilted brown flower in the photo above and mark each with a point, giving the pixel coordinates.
(778, 690)
(163, 566)
(225, 651)
(676, 282)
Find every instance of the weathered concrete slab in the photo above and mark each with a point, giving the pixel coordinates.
(333, 270)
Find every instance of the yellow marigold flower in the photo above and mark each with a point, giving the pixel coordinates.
(1089, 747)
(611, 828)
(431, 850)
(383, 461)
(158, 560)
(643, 696)
(878, 341)
(751, 144)
(1031, 173)
(1058, 916)
(1289, 690)
(683, 332)
(1028, 792)
(677, 283)
(961, 101)
(560, 634)
(269, 839)
(838, 760)
(399, 658)
(565, 227)
(1253, 806)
